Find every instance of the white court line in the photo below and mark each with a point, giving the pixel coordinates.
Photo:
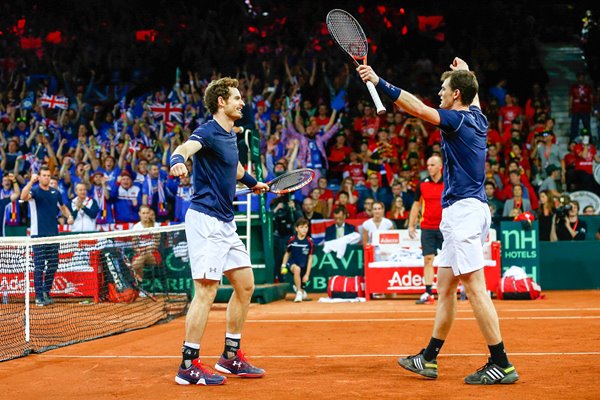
(277, 321)
(432, 310)
(532, 354)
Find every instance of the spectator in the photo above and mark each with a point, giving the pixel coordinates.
(126, 199)
(547, 152)
(377, 223)
(320, 206)
(545, 215)
(367, 209)
(9, 206)
(146, 246)
(398, 214)
(340, 228)
(101, 194)
(326, 195)
(588, 210)
(580, 105)
(344, 201)
(84, 210)
(183, 198)
(355, 170)
(490, 189)
(375, 191)
(569, 226)
(517, 205)
(155, 192)
(308, 212)
(549, 184)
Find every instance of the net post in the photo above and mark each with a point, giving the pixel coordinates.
(27, 288)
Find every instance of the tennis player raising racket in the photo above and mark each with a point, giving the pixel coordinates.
(214, 246)
(465, 217)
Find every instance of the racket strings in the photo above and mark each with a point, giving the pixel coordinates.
(291, 180)
(347, 33)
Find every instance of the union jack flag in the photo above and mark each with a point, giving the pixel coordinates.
(167, 111)
(55, 101)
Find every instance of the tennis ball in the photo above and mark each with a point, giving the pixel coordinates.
(284, 270)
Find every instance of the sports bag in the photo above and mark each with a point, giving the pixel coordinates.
(346, 287)
(118, 277)
(516, 285)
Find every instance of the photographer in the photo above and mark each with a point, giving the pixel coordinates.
(567, 225)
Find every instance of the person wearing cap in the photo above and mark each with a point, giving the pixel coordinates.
(126, 198)
(549, 183)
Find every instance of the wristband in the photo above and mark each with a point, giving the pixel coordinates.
(248, 180)
(176, 159)
(388, 89)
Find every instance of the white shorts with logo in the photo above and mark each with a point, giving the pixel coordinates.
(465, 226)
(214, 246)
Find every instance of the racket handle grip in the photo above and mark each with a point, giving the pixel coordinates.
(378, 104)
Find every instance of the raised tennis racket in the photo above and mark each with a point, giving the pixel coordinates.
(349, 35)
(286, 183)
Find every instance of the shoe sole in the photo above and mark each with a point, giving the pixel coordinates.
(181, 381)
(226, 371)
(425, 373)
(507, 380)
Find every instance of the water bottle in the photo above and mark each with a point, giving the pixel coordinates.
(4, 295)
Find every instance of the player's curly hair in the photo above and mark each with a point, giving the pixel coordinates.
(465, 81)
(216, 89)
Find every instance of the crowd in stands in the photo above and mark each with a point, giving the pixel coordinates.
(98, 107)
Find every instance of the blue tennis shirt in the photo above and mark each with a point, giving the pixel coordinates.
(464, 147)
(215, 171)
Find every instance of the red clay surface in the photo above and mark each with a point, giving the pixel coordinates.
(333, 351)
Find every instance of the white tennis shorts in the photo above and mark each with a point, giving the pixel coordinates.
(465, 226)
(214, 246)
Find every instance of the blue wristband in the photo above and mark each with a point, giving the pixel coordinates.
(388, 89)
(176, 159)
(248, 180)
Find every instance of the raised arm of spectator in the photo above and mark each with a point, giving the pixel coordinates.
(3, 161)
(16, 169)
(293, 155)
(92, 157)
(33, 127)
(331, 126)
(50, 150)
(313, 72)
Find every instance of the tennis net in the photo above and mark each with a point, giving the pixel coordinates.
(71, 288)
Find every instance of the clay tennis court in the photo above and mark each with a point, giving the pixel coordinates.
(330, 351)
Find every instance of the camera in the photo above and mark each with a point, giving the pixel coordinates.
(564, 206)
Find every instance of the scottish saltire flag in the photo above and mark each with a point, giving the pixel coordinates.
(55, 101)
(167, 111)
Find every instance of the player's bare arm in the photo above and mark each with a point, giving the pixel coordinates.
(407, 101)
(260, 187)
(180, 156)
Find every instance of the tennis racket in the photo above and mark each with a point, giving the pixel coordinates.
(349, 35)
(286, 183)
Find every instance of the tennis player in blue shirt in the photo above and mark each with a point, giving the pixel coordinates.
(465, 217)
(214, 246)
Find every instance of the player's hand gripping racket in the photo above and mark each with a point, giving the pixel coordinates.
(286, 183)
(349, 35)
